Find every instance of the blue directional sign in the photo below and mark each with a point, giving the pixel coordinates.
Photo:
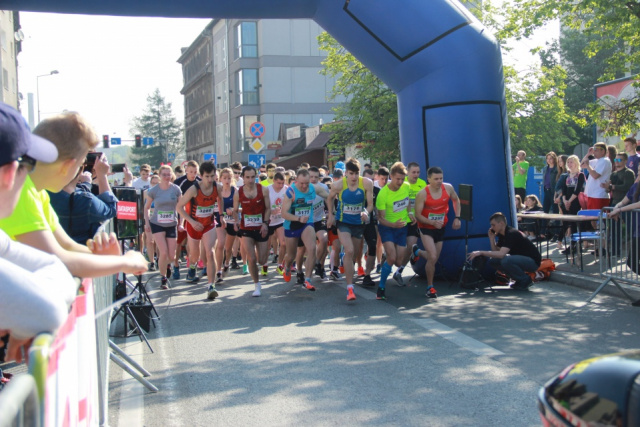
(116, 141)
(147, 141)
(257, 160)
(171, 156)
(211, 156)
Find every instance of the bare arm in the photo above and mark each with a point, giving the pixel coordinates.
(267, 202)
(186, 197)
(286, 207)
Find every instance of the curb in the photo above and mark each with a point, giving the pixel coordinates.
(591, 283)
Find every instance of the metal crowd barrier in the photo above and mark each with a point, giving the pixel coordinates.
(619, 250)
(22, 402)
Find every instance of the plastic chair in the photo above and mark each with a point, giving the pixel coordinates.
(587, 236)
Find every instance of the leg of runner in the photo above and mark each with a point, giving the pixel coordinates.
(221, 241)
(194, 255)
(390, 250)
(336, 247)
(348, 245)
(431, 254)
(228, 250)
(397, 276)
(309, 239)
(300, 261)
(321, 252)
(249, 257)
(209, 240)
(202, 260)
(151, 250)
(379, 253)
(291, 251)
(279, 234)
(370, 236)
(163, 256)
(358, 257)
(243, 253)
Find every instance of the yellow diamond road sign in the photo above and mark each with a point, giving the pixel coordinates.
(257, 145)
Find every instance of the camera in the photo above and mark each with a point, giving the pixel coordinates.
(90, 162)
(118, 167)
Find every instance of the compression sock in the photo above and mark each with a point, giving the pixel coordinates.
(384, 274)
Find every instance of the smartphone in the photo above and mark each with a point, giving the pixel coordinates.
(91, 161)
(118, 167)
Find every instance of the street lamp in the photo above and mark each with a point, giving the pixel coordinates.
(38, 88)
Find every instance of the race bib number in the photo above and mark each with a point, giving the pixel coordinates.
(352, 209)
(215, 207)
(253, 220)
(318, 209)
(204, 211)
(436, 217)
(228, 218)
(412, 204)
(400, 205)
(166, 217)
(303, 211)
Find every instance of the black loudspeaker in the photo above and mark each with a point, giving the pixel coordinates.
(142, 313)
(465, 192)
(129, 212)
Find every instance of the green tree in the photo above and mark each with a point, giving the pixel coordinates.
(612, 30)
(159, 123)
(369, 116)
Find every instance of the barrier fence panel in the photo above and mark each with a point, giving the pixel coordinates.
(619, 250)
(19, 404)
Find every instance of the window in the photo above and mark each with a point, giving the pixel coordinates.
(5, 78)
(247, 87)
(222, 97)
(222, 139)
(246, 40)
(244, 137)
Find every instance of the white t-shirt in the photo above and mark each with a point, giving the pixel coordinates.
(592, 188)
(276, 199)
(141, 184)
(36, 289)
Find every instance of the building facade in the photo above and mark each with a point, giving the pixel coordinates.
(237, 72)
(10, 46)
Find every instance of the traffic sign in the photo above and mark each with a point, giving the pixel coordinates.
(257, 129)
(171, 156)
(257, 160)
(147, 141)
(116, 141)
(211, 156)
(256, 145)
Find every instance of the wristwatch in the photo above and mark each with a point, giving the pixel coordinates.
(457, 217)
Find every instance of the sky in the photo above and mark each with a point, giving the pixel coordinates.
(107, 65)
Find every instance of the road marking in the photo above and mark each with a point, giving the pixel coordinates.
(131, 408)
(458, 338)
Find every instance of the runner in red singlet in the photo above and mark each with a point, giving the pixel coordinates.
(201, 223)
(253, 223)
(432, 207)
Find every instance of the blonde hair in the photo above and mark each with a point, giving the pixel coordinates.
(228, 171)
(398, 167)
(70, 133)
(165, 167)
(575, 160)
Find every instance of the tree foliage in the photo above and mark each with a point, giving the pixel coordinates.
(612, 31)
(159, 123)
(369, 115)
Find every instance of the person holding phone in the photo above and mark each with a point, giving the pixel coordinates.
(80, 212)
(512, 253)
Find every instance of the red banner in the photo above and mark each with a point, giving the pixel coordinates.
(127, 210)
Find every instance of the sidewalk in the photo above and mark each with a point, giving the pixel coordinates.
(568, 272)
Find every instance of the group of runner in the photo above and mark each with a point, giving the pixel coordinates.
(301, 222)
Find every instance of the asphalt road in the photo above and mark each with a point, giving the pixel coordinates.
(293, 357)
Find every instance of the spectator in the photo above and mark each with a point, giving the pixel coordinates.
(572, 186)
(612, 152)
(549, 177)
(36, 288)
(35, 223)
(621, 179)
(79, 211)
(531, 204)
(630, 147)
(599, 170)
(178, 171)
(144, 181)
(520, 170)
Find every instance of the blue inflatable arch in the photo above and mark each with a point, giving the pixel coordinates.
(444, 66)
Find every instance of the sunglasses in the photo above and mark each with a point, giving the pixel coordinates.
(617, 160)
(237, 173)
(28, 163)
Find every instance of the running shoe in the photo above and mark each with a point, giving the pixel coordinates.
(381, 294)
(200, 264)
(360, 271)
(212, 293)
(307, 284)
(234, 264)
(164, 283)
(431, 292)
(293, 267)
(275, 259)
(191, 275)
(414, 254)
(239, 257)
(351, 296)
(265, 270)
(367, 281)
(176, 273)
(321, 273)
(219, 278)
(397, 276)
(300, 278)
(152, 266)
(286, 275)
(245, 269)
(334, 275)
(257, 292)
(279, 270)
(225, 269)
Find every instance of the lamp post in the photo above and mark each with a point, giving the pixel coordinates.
(38, 88)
